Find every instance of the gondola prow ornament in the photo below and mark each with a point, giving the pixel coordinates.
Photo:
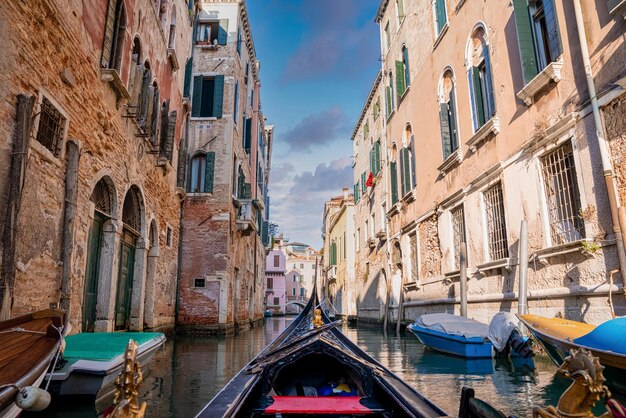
(128, 383)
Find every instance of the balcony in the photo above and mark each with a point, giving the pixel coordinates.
(551, 73)
(112, 77)
(245, 217)
(490, 128)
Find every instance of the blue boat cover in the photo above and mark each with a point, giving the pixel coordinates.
(453, 325)
(610, 336)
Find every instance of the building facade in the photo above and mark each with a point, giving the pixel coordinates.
(275, 289)
(91, 126)
(488, 122)
(338, 261)
(227, 168)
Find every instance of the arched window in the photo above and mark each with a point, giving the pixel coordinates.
(144, 96)
(153, 112)
(393, 169)
(201, 173)
(403, 78)
(172, 38)
(136, 74)
(447, 114)
(389, 95)
(131, 211)
(407, 170)
(480, 78)
(114, 29)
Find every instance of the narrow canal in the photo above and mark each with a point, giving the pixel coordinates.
(190, 371)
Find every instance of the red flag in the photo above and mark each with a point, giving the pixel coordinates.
(370, 180)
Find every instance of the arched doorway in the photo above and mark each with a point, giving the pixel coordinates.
(131, 232)
(103, 199)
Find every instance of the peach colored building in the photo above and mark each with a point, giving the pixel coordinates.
(488, 121)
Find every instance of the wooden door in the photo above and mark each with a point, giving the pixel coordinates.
(92, 271)
(125, 282)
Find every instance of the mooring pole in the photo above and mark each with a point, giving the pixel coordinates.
(522, 303)
(463, 278)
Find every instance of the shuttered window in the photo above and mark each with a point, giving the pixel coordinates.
(236, 105)
(537, 35)
(209, 172)
(393, 168)
(247, 134)
(406, 175)
(389, 96)
(400, 82)
(405, 62)
(168, 130)
(212, 32)
(187, 85)
(447, 118)
(375, 158)
(441, 16)
(114, 29)
(357, 192)
(208, 96)
(196, 176)
(363, 181)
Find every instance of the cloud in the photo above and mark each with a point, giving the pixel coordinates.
(317, 129)
(335, 42)
(330, 177)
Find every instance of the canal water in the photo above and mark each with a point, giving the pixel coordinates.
(188, 372)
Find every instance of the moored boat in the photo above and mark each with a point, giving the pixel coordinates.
(466, 337)
(313, 369)
(606, 341)
(94, 360)
(28, 345)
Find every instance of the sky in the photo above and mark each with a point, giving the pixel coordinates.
(319, 59)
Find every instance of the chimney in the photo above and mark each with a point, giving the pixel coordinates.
(346, 193)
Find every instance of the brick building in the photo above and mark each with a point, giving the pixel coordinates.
(489, 120)
(91, 123)
(224, 226)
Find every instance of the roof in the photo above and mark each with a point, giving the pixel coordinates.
(381, 10)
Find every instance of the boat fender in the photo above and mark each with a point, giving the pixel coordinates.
(31, 398)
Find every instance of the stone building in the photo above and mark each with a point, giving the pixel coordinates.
(224, 224)
(373, 274)
(91, 123)
(301, 260)
(275, 288)
(488, 120)
(338, 261)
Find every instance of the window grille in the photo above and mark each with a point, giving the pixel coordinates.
(458, 233)
(562, 196)
(131, 212)
(101, 198)
(51, 126)
(496, 225)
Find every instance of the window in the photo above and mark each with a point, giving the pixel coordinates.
(393, 177)
(301, 265)
(458, 234)
(447, 115)
(201, 173)
(357, 192)
(363, 181)
(295, 277)
(270, 282)
(199, 283)
(562, 196)
(208, 96)
(212, 32)
(239, 42)
(168, 236)
(387, 36)
(276, 301)
(496, 224)
(399, 11)
(114, 30)
(302, 291)
(406, 170)
(366, 130)
(375, 163)
(333, 254)
(293, 291)
(441, 16)
(172, 34)
(247, 135)
(247, 74)
(276, 260)
(480, 79)
(537, 35)
(389, 100)
(376, 108)
(403, 78)
(51, 127)
(236, 105)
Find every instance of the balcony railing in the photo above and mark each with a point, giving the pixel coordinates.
(245, 216)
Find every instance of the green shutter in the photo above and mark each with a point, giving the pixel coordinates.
(188, 68)
(222, 34)
(479, 107)
(412, 161)
(400, 9)
(354, 192)
(218, 96)
(552, 29)
(405, 167)
(525, 40)
(209, 172)
(197, 96)
(168, 147)
(442, 16)
(394, 182)
(445, 130)
(372, 160)
(182, 166)
(491, 103)
(376, 158)
(388, 100)
(400, 86)
(454, 143)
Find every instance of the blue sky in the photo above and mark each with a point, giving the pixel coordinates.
(318, 59)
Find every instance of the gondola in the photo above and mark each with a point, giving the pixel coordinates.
(313, 369)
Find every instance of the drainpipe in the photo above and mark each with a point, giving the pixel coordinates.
(602, 143)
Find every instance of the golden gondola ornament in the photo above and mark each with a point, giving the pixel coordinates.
(128, 383)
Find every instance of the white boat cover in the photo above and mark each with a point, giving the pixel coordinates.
(453, 325)
(500, 329)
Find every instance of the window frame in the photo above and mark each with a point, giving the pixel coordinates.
(439, 29)
(454, 249)
(59, 145)
(490, 253)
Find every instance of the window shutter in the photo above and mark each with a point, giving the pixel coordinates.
(248, 135)
(363, 181)
(188, 68)
(377, 157)
(145, 97)
(149, 108)
(454, 143)
(388, 100)
(218, 96)
(552, 27)
(356, 196)
(445, 130)
(479, 108)
(197, 96)
(394, 182)
(182, 167)
(236, 103)
(171, 130)
(491, 103)
(222, 34)
(164, 126)
(154, 119)
(136, 85)
(405, 61)
(400, 9)
(525, 39)
(109, 31)
(406, 171)
(412, 161)
(400, 86)
(442, 17)
(209, 170)
(372, 153)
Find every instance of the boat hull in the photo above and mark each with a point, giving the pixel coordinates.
(13, 410)
(558, 349)
(473, 348)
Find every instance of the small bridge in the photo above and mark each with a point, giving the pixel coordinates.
(299, 303)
